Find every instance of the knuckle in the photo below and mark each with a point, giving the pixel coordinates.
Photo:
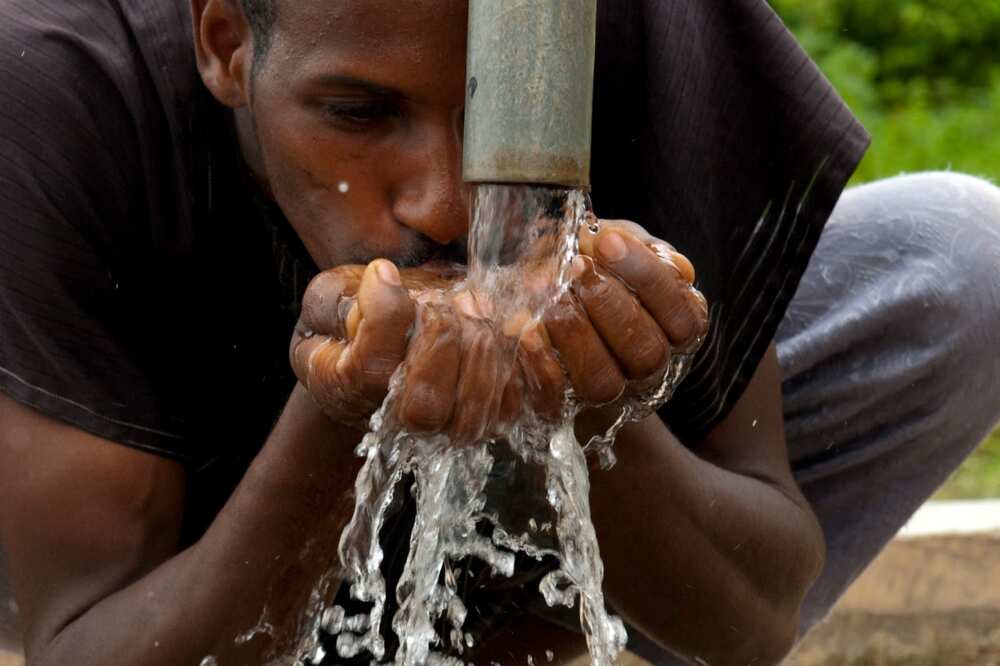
(371, 380)
(658, 281)
(649, 355)
(689, 320)
(425, 410)
(323, 300)
(601, 299)
(603, 387)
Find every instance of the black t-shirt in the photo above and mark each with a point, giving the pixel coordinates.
(147, 294)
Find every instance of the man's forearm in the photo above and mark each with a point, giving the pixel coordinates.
(710, 563)
(265, 550)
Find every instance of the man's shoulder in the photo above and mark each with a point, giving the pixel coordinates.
(111, 58)
(97, 103)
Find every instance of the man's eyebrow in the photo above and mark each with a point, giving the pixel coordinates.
(356, 84)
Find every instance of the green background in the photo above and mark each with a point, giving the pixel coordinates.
(924, 78)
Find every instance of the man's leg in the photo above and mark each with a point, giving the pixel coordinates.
(891, 358)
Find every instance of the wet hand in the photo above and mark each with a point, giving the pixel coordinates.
(351, 335)
(631, 307)
(358, 324)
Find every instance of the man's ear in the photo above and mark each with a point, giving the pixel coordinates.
(223, 43)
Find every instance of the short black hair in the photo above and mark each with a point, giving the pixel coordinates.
(260, 15)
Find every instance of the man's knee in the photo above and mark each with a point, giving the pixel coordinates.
(955, 227)
(968, 218)
(943, 227)
(926, 291)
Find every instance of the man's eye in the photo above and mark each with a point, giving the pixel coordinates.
(359, 115)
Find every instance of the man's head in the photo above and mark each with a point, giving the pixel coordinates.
(350, 112)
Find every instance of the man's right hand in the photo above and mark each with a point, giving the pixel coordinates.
(352, 334)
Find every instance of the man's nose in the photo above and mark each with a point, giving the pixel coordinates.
(432, 198)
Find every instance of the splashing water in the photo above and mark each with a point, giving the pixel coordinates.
(522, 243)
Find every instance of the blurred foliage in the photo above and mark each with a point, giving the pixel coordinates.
(922, 75)
(924, 78)
(979, 476)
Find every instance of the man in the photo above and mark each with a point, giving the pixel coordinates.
(163, 226)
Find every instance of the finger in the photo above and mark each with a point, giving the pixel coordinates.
(432, 367)
(327, 301)
(384, 316)
(668, 255)
(542, 375)
(594, 373)
(589, 232)
(314, 360)
(659, 285)
(635, 339)
(661, 248)
(512, 400)
(479, 390)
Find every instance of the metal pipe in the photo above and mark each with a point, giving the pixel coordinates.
(530, 90)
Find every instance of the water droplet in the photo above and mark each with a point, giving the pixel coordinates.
(343, 187)
(549, 656)
(209, 661)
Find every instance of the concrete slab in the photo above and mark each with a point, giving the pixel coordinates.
(932, 598)
(958, 517)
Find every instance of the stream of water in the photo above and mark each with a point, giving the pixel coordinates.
(522, 243)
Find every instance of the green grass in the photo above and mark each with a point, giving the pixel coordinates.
(979, 476)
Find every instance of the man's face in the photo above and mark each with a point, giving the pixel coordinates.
(357, 112)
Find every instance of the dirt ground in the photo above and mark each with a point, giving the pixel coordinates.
(946, 638)
(924, 602)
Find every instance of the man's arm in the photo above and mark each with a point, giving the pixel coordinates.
(710, 552)
(92, 528)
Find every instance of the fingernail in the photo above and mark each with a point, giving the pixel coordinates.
(684, 267)
(612, 246)
(388, 273)
(663, 251)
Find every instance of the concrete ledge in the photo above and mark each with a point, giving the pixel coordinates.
(932, 598)
(951, 518)
(934, 638)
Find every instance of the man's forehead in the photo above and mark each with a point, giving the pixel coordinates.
(372, 24)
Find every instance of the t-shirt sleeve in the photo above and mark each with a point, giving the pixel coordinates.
(74, 223)
(717, 132)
